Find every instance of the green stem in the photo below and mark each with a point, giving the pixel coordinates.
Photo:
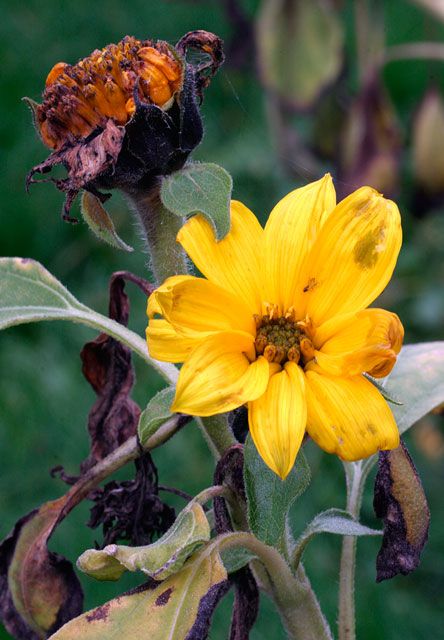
(346, 619)
(160, 228)
(217, 433)
(293, 596)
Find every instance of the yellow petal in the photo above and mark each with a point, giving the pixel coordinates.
(234, 263)
(196, 305)
(165, 344)
(277, 419)
(367, 341)
(348, 416)
(353, 257)
(153, 306)
(290, 232)
(218, 376)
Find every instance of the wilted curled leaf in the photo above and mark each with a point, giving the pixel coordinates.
(39, 590)
(158, 560)
(400, 501)
(179, 608)
(108, 368)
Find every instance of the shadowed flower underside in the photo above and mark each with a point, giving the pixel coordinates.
(280, 322)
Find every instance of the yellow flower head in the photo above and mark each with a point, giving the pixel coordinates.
(280, 322)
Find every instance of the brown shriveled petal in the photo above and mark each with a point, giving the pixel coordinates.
(108, 368)
(85, 162)
(400, 501)
(39, 590)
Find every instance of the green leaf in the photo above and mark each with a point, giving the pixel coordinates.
(158, 560)
(330, 521)
(236, 558)
(169, 611)
(29, 293)
(300, 49)
(269, 498)
(156, 413)
(200, 187)
(417, 380)
(99, 221)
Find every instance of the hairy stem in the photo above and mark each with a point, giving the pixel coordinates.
(217, 433)
(160, 228)
(346, 618)
(293, 596)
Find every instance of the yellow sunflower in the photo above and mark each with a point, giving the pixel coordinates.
(280, 322)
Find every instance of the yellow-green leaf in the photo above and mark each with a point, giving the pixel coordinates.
(168, 612)
(158, 560)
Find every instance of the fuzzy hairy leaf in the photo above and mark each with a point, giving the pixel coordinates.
(417, 381)
(200, 187)
(155, 414)
(335, 521)
(158, 560)
(29, 293)
(268, 497)
(178, 609)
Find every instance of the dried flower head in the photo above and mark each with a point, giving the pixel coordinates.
(125, 114)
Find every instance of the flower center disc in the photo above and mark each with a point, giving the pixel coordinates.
(282, 340)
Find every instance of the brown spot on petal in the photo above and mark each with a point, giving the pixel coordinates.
(366, 250)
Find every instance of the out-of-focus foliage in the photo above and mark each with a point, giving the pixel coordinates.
(268, 148)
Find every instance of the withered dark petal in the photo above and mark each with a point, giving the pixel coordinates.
(246, 604)
(107, 365)
(210, 47)
(132, 510)
(400, 501)
(207, 606)
(229, 471)
(39, 590)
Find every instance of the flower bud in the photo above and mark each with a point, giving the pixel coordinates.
(428, 131)
(125, 114)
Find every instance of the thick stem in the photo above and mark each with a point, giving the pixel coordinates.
(160, 228)
(293, 596)
(346, 618)
(217, 433)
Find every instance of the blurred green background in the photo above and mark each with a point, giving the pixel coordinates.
(44, 400)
